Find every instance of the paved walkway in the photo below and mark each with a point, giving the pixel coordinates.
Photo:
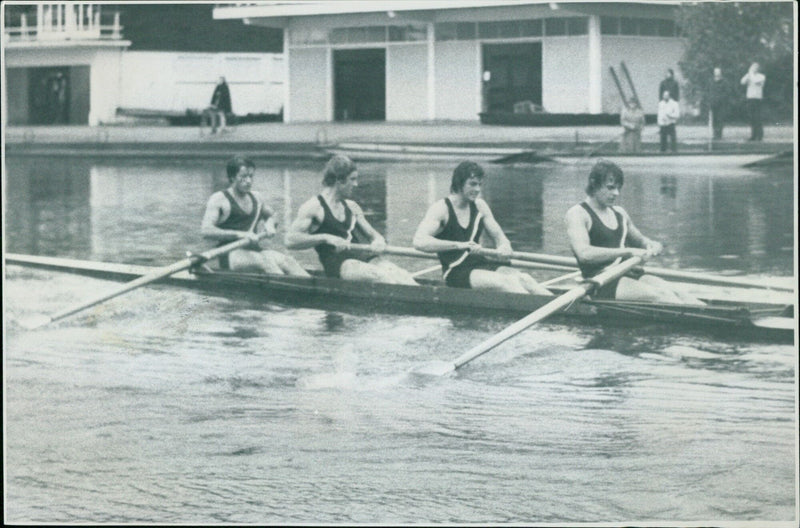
(313, 135)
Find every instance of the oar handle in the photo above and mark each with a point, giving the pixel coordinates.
(152, 277)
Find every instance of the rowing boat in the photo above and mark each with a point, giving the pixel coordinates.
(746, 320)
(509, 155)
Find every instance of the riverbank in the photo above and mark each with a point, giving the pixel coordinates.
(309, 140)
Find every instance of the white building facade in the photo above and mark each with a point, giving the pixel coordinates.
(447, 60)
(68, 63)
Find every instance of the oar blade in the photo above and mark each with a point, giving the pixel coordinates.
(435, 369)
(32, 322)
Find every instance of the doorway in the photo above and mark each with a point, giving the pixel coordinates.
(512, 74)
(58, 95)
(359, 85)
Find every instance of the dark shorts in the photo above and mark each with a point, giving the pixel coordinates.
(609, 290)
(332, 261)
(225, 261)
(459, 276)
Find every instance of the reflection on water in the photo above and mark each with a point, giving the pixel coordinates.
(149, 210)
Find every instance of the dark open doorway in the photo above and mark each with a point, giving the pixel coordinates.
(514, 75)
(359, 85)
(57, 95)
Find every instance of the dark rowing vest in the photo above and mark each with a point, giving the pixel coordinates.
(601, 236)
(454, 232)
(238, 220)
(330, 259)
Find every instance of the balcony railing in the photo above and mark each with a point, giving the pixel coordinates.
(62, 22)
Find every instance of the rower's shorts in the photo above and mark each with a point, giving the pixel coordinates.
(459, 276)
(609, 290)
(332, 261)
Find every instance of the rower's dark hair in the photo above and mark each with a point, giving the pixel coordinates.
(465, 171)
(337, 169)
(603, 171)
(236, 163)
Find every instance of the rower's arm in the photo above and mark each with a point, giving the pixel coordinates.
(493, 229)
(431, 225)
(376, 239)
(266, 219)
(578, 225)
(637, 239)
(300, 234)
(212, 216)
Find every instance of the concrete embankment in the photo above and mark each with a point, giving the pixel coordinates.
(308, 140)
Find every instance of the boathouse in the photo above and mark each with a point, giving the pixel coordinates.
(401, 60)
(85, 63)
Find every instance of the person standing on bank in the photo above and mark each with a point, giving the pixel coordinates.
(671, 85)
(632, 120)
(238, 212)
(452, 229)
(754, 80)
(331, 221)
(668, 114)
(718, 103)
(601, 233)
(220, 105)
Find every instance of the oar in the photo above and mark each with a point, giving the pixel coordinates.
(609, 274)
(411, 252)
(659, 272)
(41, 320)
(518, 258)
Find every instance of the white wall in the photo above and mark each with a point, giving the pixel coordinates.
(177, 81)
(308, 81)
(647, 59)
(565, 75)
(104, 64)
(407, 82)
(457, 80)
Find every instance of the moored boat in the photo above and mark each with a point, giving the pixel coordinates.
(748, 320)
(511, 155)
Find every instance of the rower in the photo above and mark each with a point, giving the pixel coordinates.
(601, 232)
(331, 221)
(452, 228)
(238, 212)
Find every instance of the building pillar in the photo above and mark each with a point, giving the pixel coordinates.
(329, 84)
(595, 67)
(287, 112)
(431, 72)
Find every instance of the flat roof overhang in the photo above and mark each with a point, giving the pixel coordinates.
(277, 14)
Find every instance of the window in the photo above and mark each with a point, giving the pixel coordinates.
(465, 30)
(578, 26)
(555, 26)
(609, 25)
(530, 28)
(446, 31)
(648, 27)
(666, 28)
(487, 29)
(407, 33)
(628, 26)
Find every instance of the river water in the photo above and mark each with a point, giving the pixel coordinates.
(172, 406)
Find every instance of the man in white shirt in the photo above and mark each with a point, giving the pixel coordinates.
(754, 80)
(668, 114)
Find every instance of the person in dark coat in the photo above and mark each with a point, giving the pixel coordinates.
(220, 105)
(671, 85)
(718, 102)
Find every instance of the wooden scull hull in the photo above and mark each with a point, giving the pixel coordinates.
(506, 155)
(745, 320)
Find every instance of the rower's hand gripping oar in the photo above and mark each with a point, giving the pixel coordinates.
(609, 274)
(42, 320)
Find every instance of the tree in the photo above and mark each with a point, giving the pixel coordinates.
(732, 35)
